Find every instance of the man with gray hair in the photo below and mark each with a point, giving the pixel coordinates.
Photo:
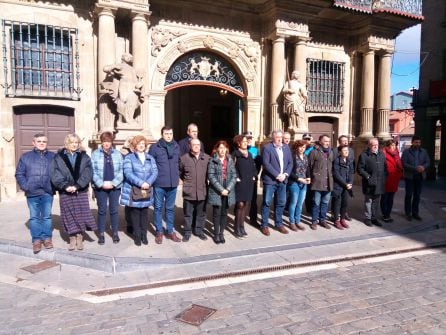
(192, 132)
(277, 165)
(373, 170)
(33, 176)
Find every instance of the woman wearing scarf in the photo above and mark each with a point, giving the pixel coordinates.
(394, 175)
(222, 178)
(71, 174)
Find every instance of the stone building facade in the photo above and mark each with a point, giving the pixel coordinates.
(221, 64)
(430, 99)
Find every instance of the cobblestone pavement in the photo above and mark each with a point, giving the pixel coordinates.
(404, 296)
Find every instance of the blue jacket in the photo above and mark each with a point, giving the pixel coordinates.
(97, 161)
(271, 165)
(168, 168)
(409, 166)
(33, 172)
(135, 173)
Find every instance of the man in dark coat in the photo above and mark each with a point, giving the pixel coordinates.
(320, 162)
(277, 165)
(167, 156)
(192, 132)
(33, 176)
(415, 163)
(193, 173)
(373, 170)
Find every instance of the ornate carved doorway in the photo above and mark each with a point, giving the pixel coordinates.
(205, 89)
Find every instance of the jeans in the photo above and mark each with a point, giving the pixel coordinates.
(161, 195)
(112, 196)
(320, 205)
(413, 192)
(40, 224)
(279, 192)
(371, 206)
(194, 210)
(297, 198)
(387, 203)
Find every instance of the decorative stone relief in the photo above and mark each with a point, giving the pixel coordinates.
(250, 49)
(250, 76)
(182, 47)
(378, 43)
(234, 52)
(161, 37)
(162, 67)
(209, 42)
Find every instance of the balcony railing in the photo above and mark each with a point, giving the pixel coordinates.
(398, 7)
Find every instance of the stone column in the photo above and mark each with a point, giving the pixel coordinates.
(140, 47)
(385, 63)
(106, 56)
(278, 68)
(367, 94)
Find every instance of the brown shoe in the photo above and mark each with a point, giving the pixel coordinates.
(283, 230)
(48, 244)
(325, 225)
(37, 246)
(313, 225)
(173, 237)
(159, 238)
(265, 231)
(344, 223)
(293, 227)
(300, 226)
(338, 225)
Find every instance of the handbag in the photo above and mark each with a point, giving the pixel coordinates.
(139, 194)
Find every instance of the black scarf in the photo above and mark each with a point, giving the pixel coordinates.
(168, 146)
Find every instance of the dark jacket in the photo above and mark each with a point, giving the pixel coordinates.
(409, 166)
(373, 170)
(135, 174)
(351, 156)
(184, 146)
(321, 168)
(64, 175)
(168, 168)
(193, 173)
(271, 165)
(343, 172)
(33, 172)
(246, 176)
(215, 176)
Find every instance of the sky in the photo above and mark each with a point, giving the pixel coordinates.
(406, 60)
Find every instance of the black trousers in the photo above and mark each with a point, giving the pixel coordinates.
(140, 221)
(194, 216)
(220, 216)
(340, 204)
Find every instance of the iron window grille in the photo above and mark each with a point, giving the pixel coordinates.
(42, 60)
(325, 86)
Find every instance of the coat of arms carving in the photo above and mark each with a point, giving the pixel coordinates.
(204, 67)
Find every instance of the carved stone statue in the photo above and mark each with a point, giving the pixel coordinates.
(124, 85)
(295, 98)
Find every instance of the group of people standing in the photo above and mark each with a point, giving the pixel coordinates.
(138, 177)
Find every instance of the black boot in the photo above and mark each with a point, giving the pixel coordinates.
(217, 234)
(242, 229)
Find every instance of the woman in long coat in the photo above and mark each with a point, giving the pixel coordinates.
(222, 178)
(140, 172)
(394, 175)
(246, 179)
(71, 174)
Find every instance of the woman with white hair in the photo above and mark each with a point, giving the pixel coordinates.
(71, 174)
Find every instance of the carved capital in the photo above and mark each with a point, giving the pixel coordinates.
(377, 43)
(101, 10)
(288, 28)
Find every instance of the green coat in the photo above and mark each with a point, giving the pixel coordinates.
(215, 177)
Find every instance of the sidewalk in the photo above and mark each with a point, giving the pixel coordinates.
(124, 264)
